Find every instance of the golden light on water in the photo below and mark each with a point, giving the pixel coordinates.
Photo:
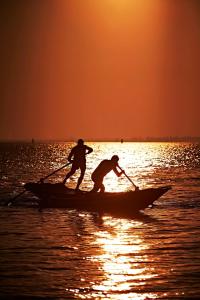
(139, 160)
(121, 260)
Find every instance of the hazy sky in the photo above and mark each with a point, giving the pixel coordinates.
(99, 68)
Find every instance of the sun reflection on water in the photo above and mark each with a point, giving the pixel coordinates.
(139, 160)
(120, 260)
(146, 163)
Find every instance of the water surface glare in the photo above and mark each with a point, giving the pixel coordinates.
(66, 254)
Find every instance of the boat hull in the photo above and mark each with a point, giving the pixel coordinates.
(58, 196)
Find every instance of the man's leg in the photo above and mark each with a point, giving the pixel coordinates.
(102, 188)
(83, 168)
(73, 170)
(98, 184)
(95, 188)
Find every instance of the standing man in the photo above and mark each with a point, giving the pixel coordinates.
(77, 157)
(102, 169)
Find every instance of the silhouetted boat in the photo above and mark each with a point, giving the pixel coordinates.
(59, 196)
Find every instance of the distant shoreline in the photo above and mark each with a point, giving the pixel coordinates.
(117, 140)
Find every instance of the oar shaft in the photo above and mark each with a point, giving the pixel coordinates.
(41, 180)
(12, 200)
(127, 177)
(56, 171)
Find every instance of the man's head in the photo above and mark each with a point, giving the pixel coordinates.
(80, 142)
(115, 159)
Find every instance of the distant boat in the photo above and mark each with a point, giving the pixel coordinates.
(59, 196)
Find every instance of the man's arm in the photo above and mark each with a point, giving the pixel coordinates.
(71, 155)
(117, 172)
(89, 149)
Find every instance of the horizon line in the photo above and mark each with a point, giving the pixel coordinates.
(134, 139)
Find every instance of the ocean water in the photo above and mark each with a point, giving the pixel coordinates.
(66, 254)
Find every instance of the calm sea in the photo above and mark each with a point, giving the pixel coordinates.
(61, 254)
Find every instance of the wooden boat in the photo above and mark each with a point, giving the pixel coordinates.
(59, 196)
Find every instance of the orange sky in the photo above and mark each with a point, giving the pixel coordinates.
(99, 69)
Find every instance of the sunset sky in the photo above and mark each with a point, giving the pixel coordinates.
(99, 69)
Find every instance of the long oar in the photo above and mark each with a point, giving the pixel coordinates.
(42, 179)
(135, 186)
(10, 202)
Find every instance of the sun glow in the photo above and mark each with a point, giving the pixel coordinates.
(128, 6)
(126, 12)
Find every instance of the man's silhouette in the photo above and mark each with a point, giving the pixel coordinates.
(100, 172)
(77, 157)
